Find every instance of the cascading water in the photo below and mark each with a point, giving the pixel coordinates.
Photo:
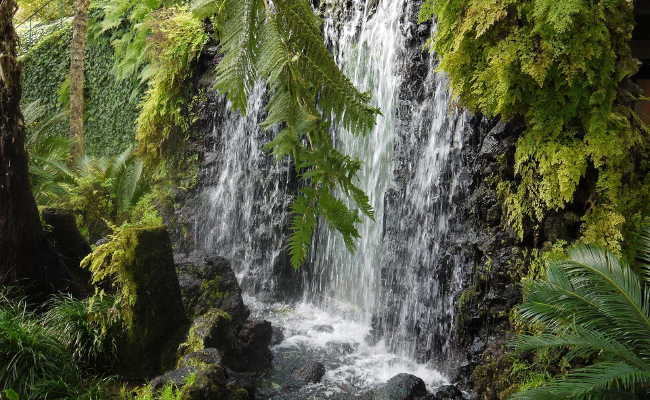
(412, 161)
(403, 278)
(246, 197)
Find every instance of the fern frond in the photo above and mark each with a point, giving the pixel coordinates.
(240, 26)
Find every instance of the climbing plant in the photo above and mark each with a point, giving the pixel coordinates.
(559, 66)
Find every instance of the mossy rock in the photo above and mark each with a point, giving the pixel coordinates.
(212, 383)
(213, 329)
(209, 282)
(158, 318)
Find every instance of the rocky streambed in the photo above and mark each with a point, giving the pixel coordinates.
(240, 348)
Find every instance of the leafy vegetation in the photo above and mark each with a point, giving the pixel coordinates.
(594, 306)
(35, 363)
(560, 67)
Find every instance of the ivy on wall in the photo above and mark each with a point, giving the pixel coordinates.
(111, 105)
(562, 68)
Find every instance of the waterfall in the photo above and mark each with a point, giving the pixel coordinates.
(399, 274)
(404, 278)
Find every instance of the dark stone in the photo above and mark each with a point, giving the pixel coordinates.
(177, 377)
(312, 372)
(158, 320)
(449, 392)
(277, 335)
(253, 353)
(68, 242)
(201, 358)
(402, 387)
(209, 282)
(323, 328)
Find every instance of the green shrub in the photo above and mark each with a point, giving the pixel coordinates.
(32, 360)
(88, 328)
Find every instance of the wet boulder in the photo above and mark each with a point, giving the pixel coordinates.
(323, 328)
(253, 352)
(207, 283)
(402, 387)
(312, 372)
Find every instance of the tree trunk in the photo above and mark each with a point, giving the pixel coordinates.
(77, 76)
(25, 253)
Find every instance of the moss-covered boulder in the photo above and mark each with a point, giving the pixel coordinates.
(244, 348)
(207, 283)
(157, 318)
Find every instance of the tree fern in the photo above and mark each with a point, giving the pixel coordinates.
(597, 307)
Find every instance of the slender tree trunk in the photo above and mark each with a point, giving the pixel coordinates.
(25, 253)
(77, 76)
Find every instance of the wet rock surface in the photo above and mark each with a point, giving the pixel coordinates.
(312, 372)
(209, 282)
(402, 387)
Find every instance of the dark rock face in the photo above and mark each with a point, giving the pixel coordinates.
(212, 383)
(209, 282)
(312, 372)
(158, 316)
(402, 387)
(177, 377)
(243, 348)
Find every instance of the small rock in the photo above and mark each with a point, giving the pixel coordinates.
(342, 348)
(277, 335)
(253, 353)
(312, 372)
(449, 392)
(402, 387)
(211, 383)
(177, 377)
(323, 328)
